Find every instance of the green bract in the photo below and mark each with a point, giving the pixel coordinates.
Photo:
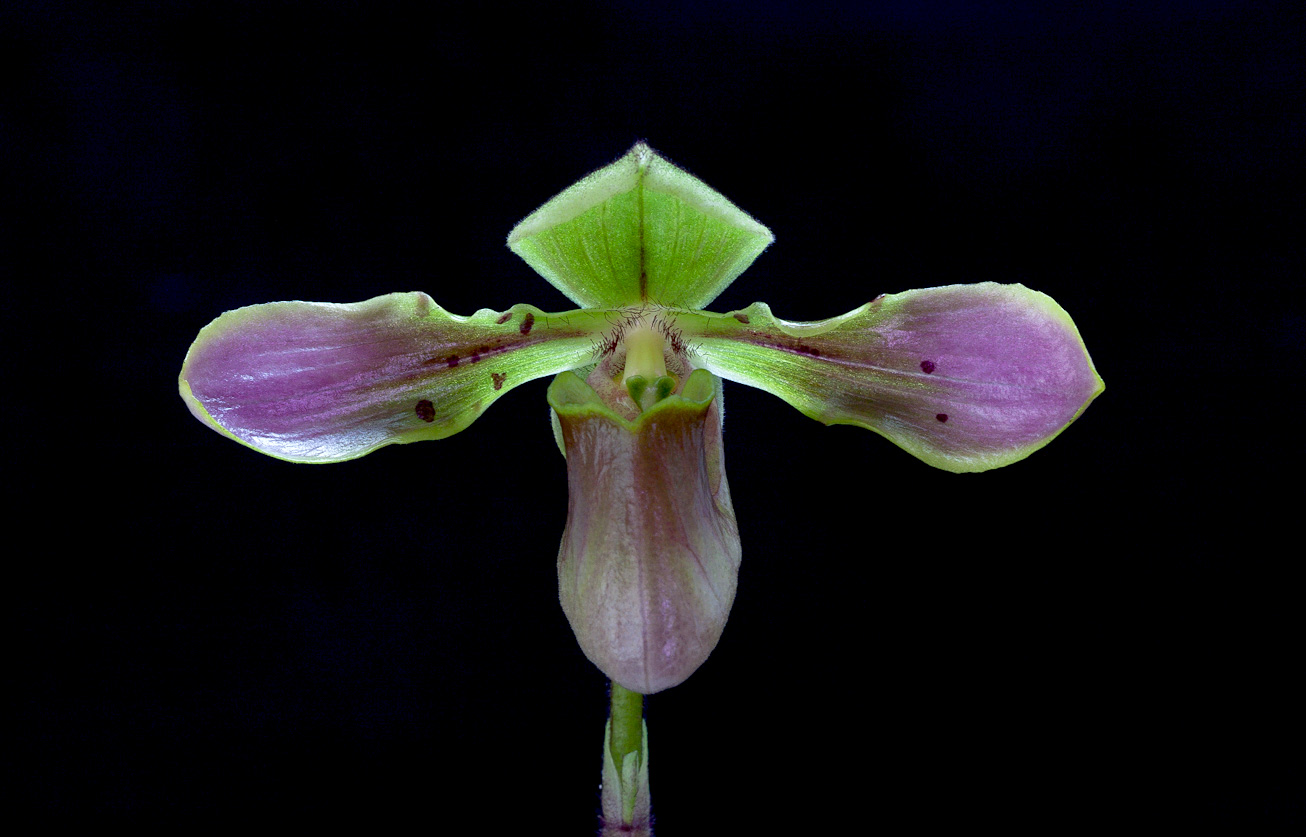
(965, 377)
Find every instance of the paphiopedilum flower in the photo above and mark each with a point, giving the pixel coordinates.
(965, 377)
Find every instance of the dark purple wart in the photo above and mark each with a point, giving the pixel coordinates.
(927, 366)
(425, 410)
(942, 416)
(527, 323)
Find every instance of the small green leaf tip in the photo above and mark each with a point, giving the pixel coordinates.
(638, 231)
(626, 804)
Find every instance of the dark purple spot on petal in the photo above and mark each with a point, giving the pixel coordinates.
(475, 356)
(527, 323)
(927, 366)
(452, 361)
(498, 379)
(743, 318)
(504, 317)
(942, 416)
(425, 410)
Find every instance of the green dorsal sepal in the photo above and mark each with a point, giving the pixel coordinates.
(639, 230)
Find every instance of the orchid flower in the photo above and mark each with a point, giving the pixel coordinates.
(964, 377)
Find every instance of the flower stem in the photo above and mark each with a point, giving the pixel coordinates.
(627, 722)
(626, 810)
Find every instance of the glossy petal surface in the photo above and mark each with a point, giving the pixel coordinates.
(324, 382)
(650, 556)
(965, 377)
(636, 231)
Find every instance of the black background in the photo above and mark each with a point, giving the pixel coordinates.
(1108, 632)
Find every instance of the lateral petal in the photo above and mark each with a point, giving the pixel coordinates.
(325, 382)
(965, 377)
